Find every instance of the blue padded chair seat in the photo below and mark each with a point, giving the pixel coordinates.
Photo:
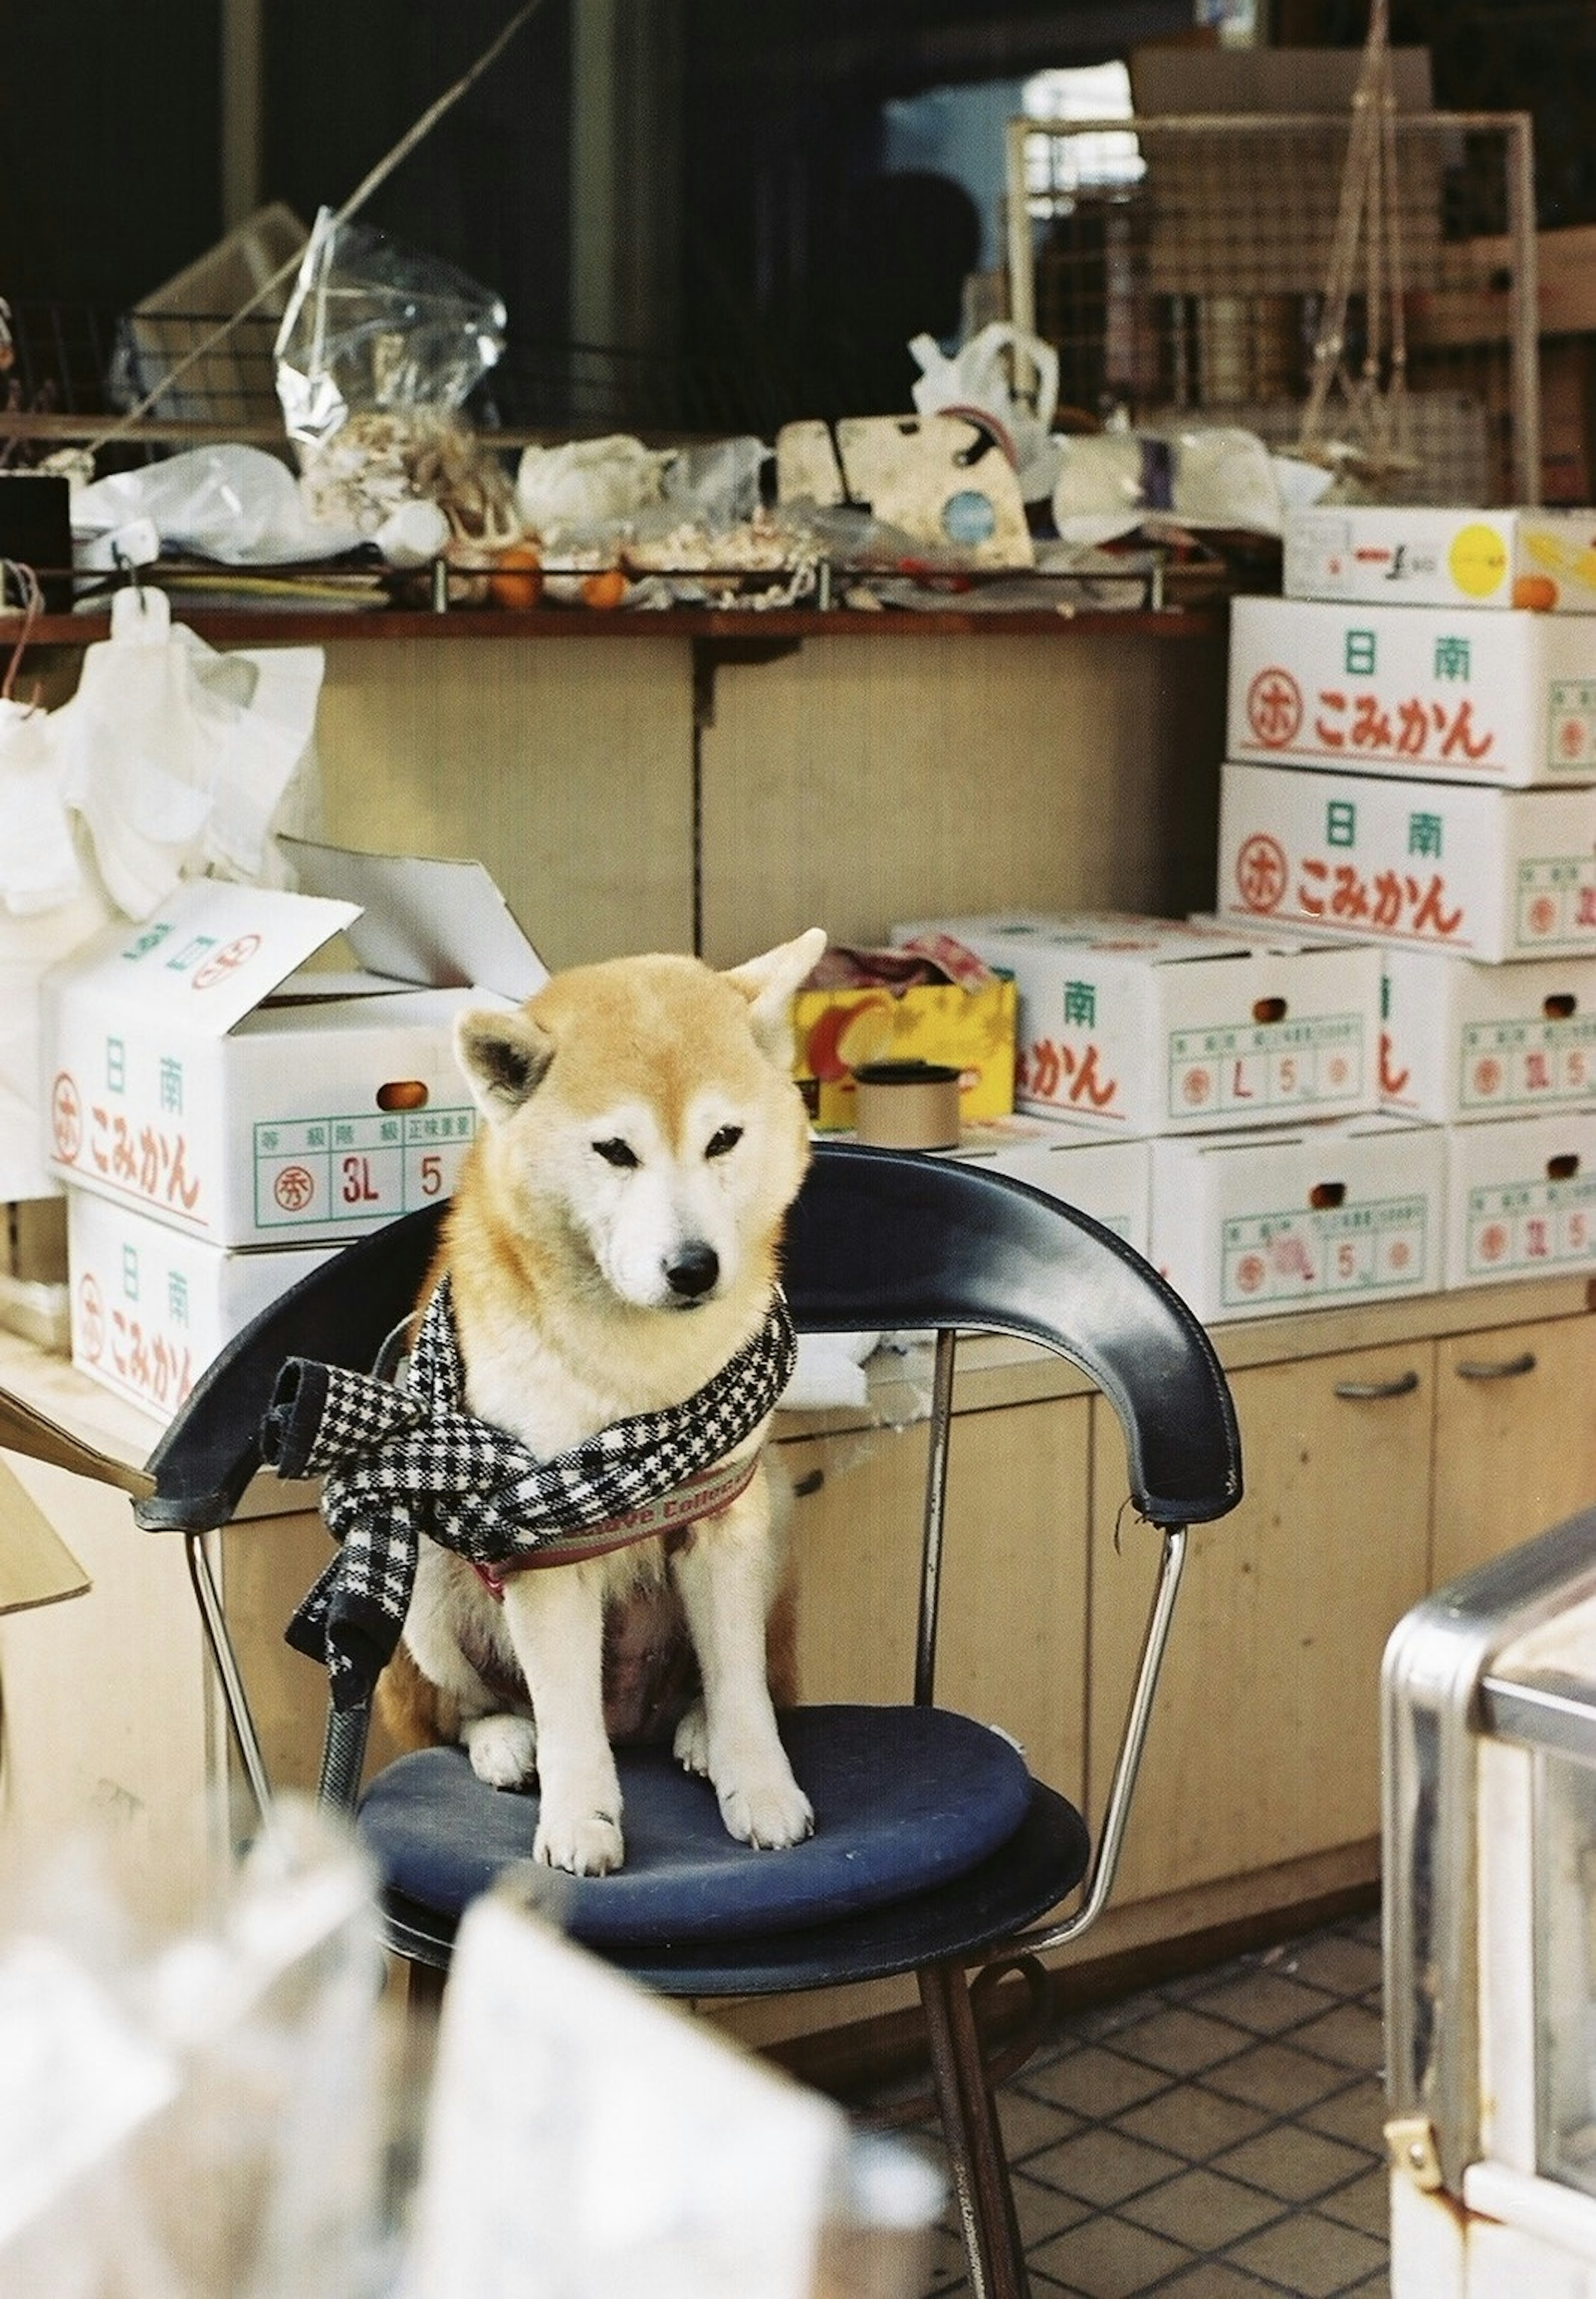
(905, 1799)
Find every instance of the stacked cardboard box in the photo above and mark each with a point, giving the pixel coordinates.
(1245, 1070)
(1412, 761)
(224, 1119)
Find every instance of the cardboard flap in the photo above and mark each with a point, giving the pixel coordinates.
(1116, 933)
(440, 924)
(23, 1429)
(209, 955)
(36, 1565)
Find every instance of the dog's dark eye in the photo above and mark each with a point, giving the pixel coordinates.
(615, 1152)
(726, 1138)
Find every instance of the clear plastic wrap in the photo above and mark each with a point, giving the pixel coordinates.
(379, 350)
(201, 2114)
(373, 325)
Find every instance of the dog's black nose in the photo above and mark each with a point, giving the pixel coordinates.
(694, 1272)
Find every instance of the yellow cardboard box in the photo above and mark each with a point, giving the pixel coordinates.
(972, 1030)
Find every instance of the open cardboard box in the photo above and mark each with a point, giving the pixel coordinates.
(199, 1074)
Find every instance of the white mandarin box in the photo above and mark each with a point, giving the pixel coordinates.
(1507, 699)
(1417, 556)
(1253, 1224)
(1159, 1025)
(1463, 1042)
(1107, 1177)
(151, 1305)
(1521, 1198)
(195, 1074)
(1489, 875)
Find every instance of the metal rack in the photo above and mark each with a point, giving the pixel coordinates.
(1191, 291)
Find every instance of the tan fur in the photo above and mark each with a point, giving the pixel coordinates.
(614, 1239)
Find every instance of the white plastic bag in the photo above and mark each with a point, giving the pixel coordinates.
(977, 380)
(587, 483)
(235, 504)
(180, 760)
(47, 908)
(186, 2117)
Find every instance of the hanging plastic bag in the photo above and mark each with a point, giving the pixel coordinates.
(181, 761)
(47, 908)
(977, 380)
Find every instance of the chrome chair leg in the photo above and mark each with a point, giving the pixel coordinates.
(982, 2190)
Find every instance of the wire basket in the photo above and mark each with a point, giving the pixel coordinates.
(76, 370)
(1190, 286)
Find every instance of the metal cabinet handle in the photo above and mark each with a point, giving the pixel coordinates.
(1362, 1392)
(1504, 1369)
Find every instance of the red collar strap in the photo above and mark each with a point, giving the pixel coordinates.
(705, 1494)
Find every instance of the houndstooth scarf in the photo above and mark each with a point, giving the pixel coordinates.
(399, 1462)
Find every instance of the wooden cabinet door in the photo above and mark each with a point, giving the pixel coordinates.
(1265, 1740)
(1515, 1438)
(1012, 1647)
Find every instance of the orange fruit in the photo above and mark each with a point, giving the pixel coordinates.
(517, 577)
(606, 590)
(1538, 591)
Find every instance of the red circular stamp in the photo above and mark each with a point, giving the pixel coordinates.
(1261, 873)
(66, 1118)
(294, 1188)
(1274, 709)
(91, 1318)
(226, 960)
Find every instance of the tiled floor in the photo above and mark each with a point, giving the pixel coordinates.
(1218, 2137)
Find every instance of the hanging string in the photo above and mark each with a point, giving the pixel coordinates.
(369, 184)
(1368, 213)
(15, 571)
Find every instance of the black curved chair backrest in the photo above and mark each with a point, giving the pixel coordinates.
(878, 1239)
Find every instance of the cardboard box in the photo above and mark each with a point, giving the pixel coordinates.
(1463, 1042)
(1159, 1026)
(36, 1565)
(1490, 873)
(1440, 692)
(972, 1030)
(1419, 557)
(1253, 1224)
(1108, 1178)
(152, 1305)
(1521, 1198)
(196, 1076)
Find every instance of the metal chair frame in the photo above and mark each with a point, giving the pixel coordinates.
(879, 1240)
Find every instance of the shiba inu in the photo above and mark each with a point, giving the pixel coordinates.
(613, 1244)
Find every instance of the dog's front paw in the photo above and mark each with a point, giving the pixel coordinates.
(502, 1749)
(587, 1843)
(691, 1746)
(770, 1814)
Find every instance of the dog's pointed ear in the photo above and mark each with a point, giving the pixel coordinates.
(502, 1054)
(768, 983)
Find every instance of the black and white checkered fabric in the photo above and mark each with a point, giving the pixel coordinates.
(398, 1463)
